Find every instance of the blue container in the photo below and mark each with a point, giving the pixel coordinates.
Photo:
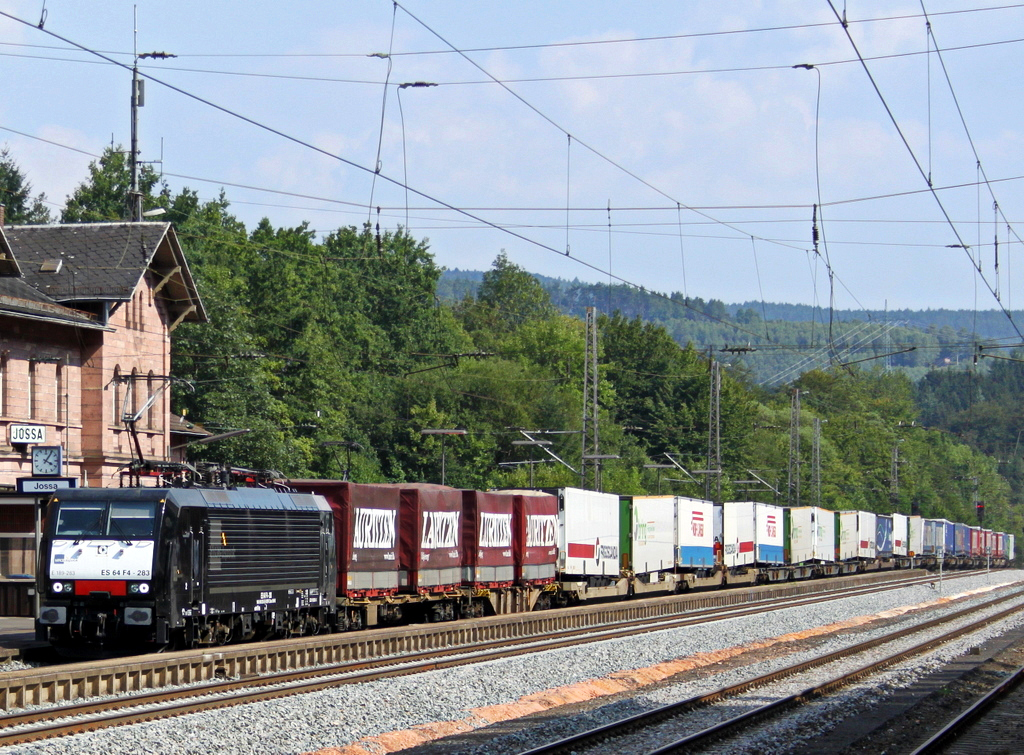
(950, 537)
(883, 536)
(963, 540)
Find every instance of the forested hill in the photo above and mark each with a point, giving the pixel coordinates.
(776, 342)
(334, 354)
(988, 324)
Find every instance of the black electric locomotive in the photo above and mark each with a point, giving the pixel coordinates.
(183, 567)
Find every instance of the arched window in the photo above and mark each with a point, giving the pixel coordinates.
(133, 387)
(151, 412)
(33, 390)
(3, 385)
(59, 413)
(116, 413)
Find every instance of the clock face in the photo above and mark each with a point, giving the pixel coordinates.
(46, 460)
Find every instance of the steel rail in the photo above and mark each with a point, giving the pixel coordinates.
(647, 719)
(34, 725)
(967, 718)
(56, 684)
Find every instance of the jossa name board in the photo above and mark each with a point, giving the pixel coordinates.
(28, 434)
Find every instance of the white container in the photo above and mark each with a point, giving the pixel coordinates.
(900, 533)
(734, 529)
(588, 528)
(861, 527)
(653, 533)
(695, 533)
(770, 534)
(848, 535)
(867, 529)
(750, 533)
(812, 534)
(915, 536)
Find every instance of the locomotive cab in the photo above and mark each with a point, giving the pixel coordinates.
(99, 574)
(137, 569)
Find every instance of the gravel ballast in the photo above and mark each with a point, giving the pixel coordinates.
(337, 717)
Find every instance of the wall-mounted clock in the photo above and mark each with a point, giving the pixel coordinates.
(47, 461)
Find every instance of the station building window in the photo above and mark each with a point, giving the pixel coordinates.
(116, 396)
(33, 390)
(59, 399)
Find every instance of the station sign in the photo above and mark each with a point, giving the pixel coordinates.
(27, 434)
(45, 485)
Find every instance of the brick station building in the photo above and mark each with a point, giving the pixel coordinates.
(86, 317)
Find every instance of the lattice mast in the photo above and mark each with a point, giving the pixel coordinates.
(590, 469)
(714, 470)
(794, 450)
(816, 462)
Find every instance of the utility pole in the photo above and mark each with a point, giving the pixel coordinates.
(138, 100)
(591, 435)
(714, 435)
(816, 462)
(894, 477)
(794, 450)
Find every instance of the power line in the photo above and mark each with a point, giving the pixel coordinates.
(960, 242)
(353, 164)
(558, 45)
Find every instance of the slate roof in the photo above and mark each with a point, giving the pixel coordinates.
(104, 262)
(21, 300)
(18, 298)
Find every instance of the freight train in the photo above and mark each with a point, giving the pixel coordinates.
(122, 570)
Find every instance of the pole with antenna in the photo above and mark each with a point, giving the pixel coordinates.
(138, 100)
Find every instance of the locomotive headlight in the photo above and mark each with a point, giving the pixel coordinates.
(138, 588)
(144, 588)
(57, 587)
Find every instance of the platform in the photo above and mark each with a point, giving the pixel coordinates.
(16, 634)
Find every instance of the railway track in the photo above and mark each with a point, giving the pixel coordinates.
(236, 683)
(1002, 701)
(57, 684)
(644, 723)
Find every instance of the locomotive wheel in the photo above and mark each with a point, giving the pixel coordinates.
(355, 621)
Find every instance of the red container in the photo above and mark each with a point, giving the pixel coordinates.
(535, 536)
(430, 536)
(487, 552)
(366, 526)
(977, 544)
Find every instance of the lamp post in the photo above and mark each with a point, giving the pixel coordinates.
(349, 446)
(598, 458)
(405, 162)
(531, 443)
(443, 433)
(659, 467)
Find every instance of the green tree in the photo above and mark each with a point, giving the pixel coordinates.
(507, 297)
(15, 194)
(103, 197)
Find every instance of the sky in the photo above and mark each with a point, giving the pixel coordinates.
(682, 147)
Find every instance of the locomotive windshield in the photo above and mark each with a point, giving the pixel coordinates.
(122, 520)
